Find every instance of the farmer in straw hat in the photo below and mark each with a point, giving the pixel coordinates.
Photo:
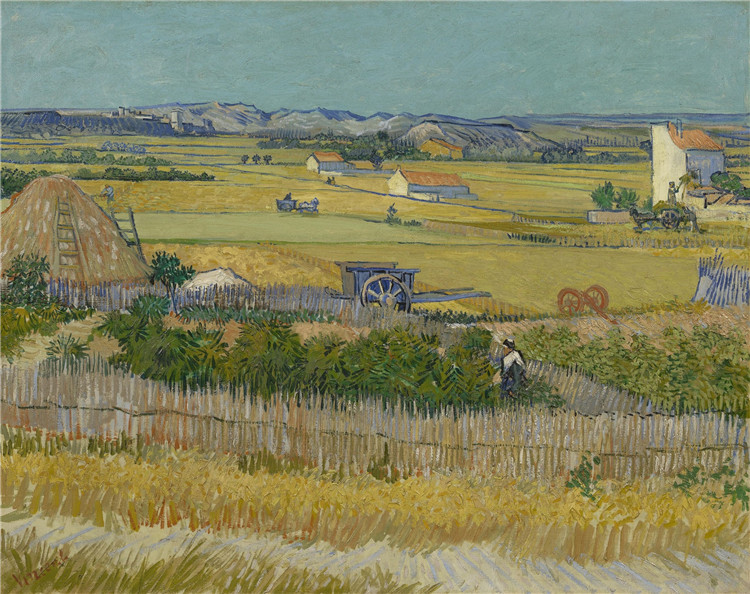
(513, 369)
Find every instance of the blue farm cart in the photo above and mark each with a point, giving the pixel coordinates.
(385, 285)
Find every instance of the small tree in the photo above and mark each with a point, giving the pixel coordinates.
(267, 159)
(604, 196)
(26, 284)
(626, 198)
(256, 158)
(244, 159)
(167, 269)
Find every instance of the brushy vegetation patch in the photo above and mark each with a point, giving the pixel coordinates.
(14, 180)
(269, 357)
(28, 308)
(128, 486)
(84, 155)
(223, 315)
(702, 370)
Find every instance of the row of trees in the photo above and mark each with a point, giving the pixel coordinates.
(86, 156)
(152, 173)
(375, 148)
(256, 159)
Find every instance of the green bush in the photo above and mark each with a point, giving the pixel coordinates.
(67, 348)
(26, 281)
(702, 370)
(604, 196)
(15, 180)
(18, 322)
(220, 315)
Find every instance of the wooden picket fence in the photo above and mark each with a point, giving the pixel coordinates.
(113, 296)
(642, 242)
(517, 218)
(349, 436)
(615, 238)
(720, 284)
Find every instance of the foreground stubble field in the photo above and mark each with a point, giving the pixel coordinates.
(169, 504)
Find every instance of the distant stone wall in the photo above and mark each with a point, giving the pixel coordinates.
(608, 217)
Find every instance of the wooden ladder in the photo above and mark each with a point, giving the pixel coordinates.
(68, 245)
(128, 232)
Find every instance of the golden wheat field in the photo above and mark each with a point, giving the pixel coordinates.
(158, 497)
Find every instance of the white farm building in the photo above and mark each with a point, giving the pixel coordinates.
(322, 162)
(429, 185)
(675, 152)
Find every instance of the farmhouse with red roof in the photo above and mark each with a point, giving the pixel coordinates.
(676, 151)
(321, 161)
(429, 185)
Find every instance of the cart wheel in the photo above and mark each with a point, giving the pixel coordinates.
(569, 301)
(599, 296)
(386, 291)
(670, 219)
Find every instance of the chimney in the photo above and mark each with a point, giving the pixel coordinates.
(678, 124)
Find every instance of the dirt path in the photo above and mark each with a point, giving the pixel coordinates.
(466, 568)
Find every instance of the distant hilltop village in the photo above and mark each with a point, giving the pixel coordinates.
(175, 119)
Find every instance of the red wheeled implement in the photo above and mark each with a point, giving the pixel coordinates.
(571, 301)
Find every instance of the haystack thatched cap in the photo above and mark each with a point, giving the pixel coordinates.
(53, 217)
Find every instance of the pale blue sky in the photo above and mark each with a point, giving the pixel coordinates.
(469, 59)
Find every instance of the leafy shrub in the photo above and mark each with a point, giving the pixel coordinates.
(701, 370)
(536, 392)
(19, 322)
(460, 317)
(626, 198)
(150, 307)
(15, 180)
(26, 284)
(696, 481)
(583, 477)
(201, 313)
(604, 195)
(266, 358)
(67, 348)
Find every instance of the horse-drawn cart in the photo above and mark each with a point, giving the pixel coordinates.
(289, 204)
(385, 285)
(668, 216)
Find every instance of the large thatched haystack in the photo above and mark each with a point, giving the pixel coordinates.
(53, 217)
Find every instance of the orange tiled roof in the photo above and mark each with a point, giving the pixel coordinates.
(447, 145)
(324, 156)
(692, 139)
(424, 178)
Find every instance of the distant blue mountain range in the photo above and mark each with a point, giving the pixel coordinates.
(531, 132)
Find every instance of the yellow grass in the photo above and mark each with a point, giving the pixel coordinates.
(257, 264)
(532, 276)
(197, 491)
